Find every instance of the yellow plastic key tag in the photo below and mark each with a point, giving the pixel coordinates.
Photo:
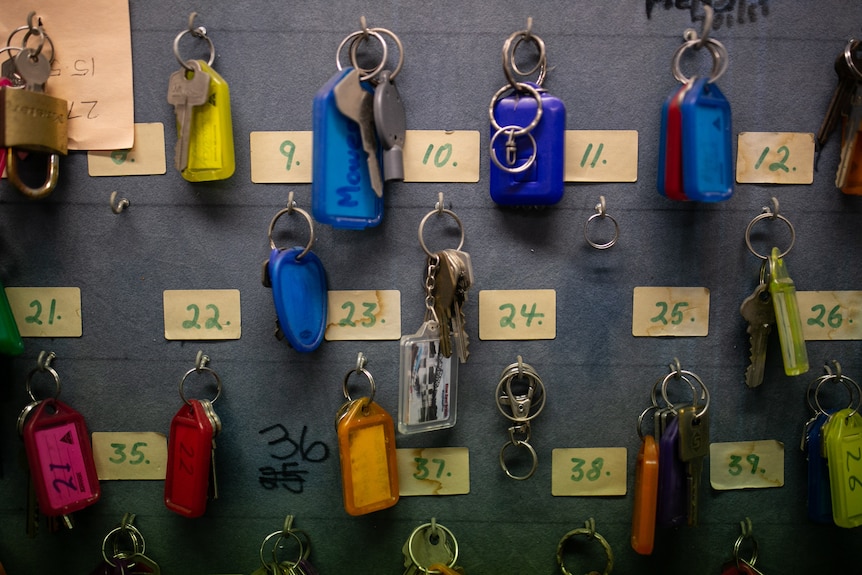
(843, 439)
(787, 318)
(366, 447)
(210, 137)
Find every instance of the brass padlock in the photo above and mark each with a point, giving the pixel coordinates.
(33, 121)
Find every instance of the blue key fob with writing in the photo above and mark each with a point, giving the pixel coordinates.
(299, 290)
(541, 184)
(343, 194)
(707, 158)
(819, 490)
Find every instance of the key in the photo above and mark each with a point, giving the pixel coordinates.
(444, 295)
(787, 318)
(60, 459)
(851, 130)
(117, 566)
(33, 71)
(140, 564)
(430, 546)
(707, 159)
(391, 123)
(185, 91)
(758, 310)
(693, 448)
(215, 422)
(358, 105)
(671, 510)
(410, 568)
(840, 100)
(190, 444)
(460, 261)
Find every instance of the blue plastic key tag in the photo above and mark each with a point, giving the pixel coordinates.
(299, 288)
(346, 184)
(707, 158)
(819, 493)
(528, 164)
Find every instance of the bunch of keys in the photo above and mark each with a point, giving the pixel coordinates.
(839, 442)
(125, 561)
(300, 566)
(59, 453)
(201, 100)
(528, 129)
(740, 565)
(846, 103)
(695, 157)
(366, 449)
(358, 116)
(589, 531)
(819, 490)
(191, 468)
(431, 548)
(773, 302)
(682, 433)
(299, 287)
(33, 121)
(428, 373)
(521, 391)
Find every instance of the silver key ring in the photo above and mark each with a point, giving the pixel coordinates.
(511, 131)
(771, 214)
(439, 210)
(355, 45)
(684, 373)
(519, 443)
(509, 65)
(521, 407)
(200, 367)
(590, 532)
(851, 47)
(43, 364)
(43, 38)
(364, 73)
(360, 369)
(139, 545)
(289, 210)
(719, 54)
(602, 214)
(518, 87)
(838, 377)
(433, 526)
(199, 32)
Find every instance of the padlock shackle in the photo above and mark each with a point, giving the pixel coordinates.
(33, 193)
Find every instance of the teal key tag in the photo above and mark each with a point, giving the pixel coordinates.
(299, 288)
(428, 382)
(707, 158)
(347, 184)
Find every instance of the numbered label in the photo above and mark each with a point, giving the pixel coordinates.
(670, 311)
(775, 158)
(202, 314)
(441, 156)
(363, 315)
(146, 157)
(434, 471)
(46, 312)
(830, 315)
(281, 157)
(589, 471)
(601, 156)
(130, 455)
(746, 465)
(517, 314)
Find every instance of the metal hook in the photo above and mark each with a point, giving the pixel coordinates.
(291, 203)
(361, 360)
(200, 31)
(45, 359)
(118, 206)
(675, 367)
(691, 34)
(600, 207)
(529, 31)
(440, 205)
(201, 361)
(590, 525)
(520, 366)
(773, 213)
(288, 525)
(363, 25)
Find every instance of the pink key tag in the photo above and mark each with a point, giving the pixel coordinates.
(60, 458)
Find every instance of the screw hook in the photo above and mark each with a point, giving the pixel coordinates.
(201, 361)
(118, 206)
(691, 34)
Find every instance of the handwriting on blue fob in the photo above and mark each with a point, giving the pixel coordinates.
(706, 152)
(342, 194)
(299, 292)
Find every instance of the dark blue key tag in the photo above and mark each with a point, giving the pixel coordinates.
(819, 491)
(528, 132)
(343, 194)
(299, 288)
(707, 157)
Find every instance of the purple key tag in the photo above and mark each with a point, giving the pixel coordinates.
(671, 509)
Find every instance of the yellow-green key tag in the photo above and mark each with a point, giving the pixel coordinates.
(787, 318)
(210, 143)
(843, 439)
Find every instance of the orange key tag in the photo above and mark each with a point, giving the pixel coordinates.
(366, 448)
(441, 568)
(646, 496)
(853, 181)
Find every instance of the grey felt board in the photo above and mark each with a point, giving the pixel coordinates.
(611, 66)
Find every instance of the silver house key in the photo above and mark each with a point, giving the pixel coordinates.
(357, 104)
(693, 448)
(758, 310)
(185, 91)
(391, 123)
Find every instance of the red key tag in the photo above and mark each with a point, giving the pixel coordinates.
(190, 447)
(60, 458)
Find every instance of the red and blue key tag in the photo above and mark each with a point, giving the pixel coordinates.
(707, 157)
(60, 458)
(190, 448)
(670, 182)
(347, 185)
(299, 288)
(528, 164)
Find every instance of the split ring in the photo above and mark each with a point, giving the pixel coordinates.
(513, 133)
(533, 455)
(199, 32)
(199, 369)
(590, 532)
(851, 47)
(354, 46)
(518, 87)
(717, 51)
(449, 536)
(364, 74)
(509, 57)
(440, 210)
(368, 376)
(683, 373)
(291, 207)
(772, 215)
(601, 213)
